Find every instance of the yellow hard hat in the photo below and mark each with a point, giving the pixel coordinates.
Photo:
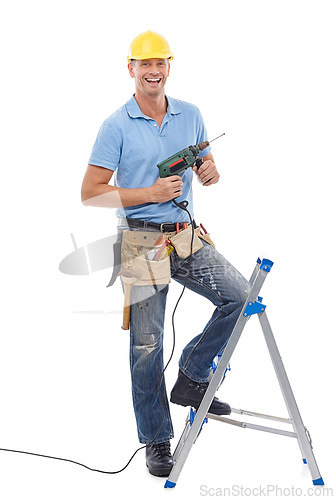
(149, 45)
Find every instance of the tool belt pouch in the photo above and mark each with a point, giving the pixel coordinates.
(182, 242)
(206, 237)
(136, 247)
(138, 267)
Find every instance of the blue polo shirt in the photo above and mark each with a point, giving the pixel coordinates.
(132, 144)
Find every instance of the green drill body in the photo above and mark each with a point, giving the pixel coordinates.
(178, 162)
(184, 159)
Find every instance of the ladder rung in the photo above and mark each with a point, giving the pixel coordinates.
(246, 425)
(262, 415)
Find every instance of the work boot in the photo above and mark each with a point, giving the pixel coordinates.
(159, 459)
(186, 392)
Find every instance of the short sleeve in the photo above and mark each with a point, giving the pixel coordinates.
(202, 135)
(107, 149)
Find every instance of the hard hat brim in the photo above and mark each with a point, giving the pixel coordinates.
(152, 56)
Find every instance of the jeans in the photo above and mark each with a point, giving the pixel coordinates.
(213, 277)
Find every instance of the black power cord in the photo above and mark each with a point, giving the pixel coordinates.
(183, 205)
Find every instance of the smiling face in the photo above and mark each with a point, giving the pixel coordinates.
(150, 76)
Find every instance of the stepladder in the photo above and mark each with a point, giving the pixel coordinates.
(196, 419)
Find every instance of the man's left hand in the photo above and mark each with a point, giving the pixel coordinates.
(207, 173)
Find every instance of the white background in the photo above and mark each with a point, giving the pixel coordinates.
(260, 71)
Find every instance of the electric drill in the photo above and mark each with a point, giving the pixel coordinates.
(182, 160)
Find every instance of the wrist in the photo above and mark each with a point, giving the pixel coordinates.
(150, 194)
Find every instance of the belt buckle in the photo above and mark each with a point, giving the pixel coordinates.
(161, 228)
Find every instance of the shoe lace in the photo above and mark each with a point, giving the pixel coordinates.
(162, 449)
(201, 387)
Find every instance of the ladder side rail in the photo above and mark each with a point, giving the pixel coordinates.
(215, 380)
(205, 403)
(265, 329)
(255, 271)
(181, 440)
(289, 397)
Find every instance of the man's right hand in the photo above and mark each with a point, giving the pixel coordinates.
(166, 188)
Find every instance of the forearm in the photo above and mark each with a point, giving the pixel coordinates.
(107, 196)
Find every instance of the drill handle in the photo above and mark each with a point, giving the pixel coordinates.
(198, 162)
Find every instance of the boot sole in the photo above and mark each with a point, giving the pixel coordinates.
(159, 472)
(186, 402)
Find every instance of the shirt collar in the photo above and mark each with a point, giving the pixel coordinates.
(135, 112)
(174, 107)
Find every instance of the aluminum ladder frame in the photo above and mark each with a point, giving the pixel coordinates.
(253, 305)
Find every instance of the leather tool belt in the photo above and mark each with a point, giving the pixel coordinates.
(143, 256)
(164, 227)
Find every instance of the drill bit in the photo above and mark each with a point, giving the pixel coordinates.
(205, 144)
(221, 135)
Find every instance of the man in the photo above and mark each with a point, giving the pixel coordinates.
(149, 128)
